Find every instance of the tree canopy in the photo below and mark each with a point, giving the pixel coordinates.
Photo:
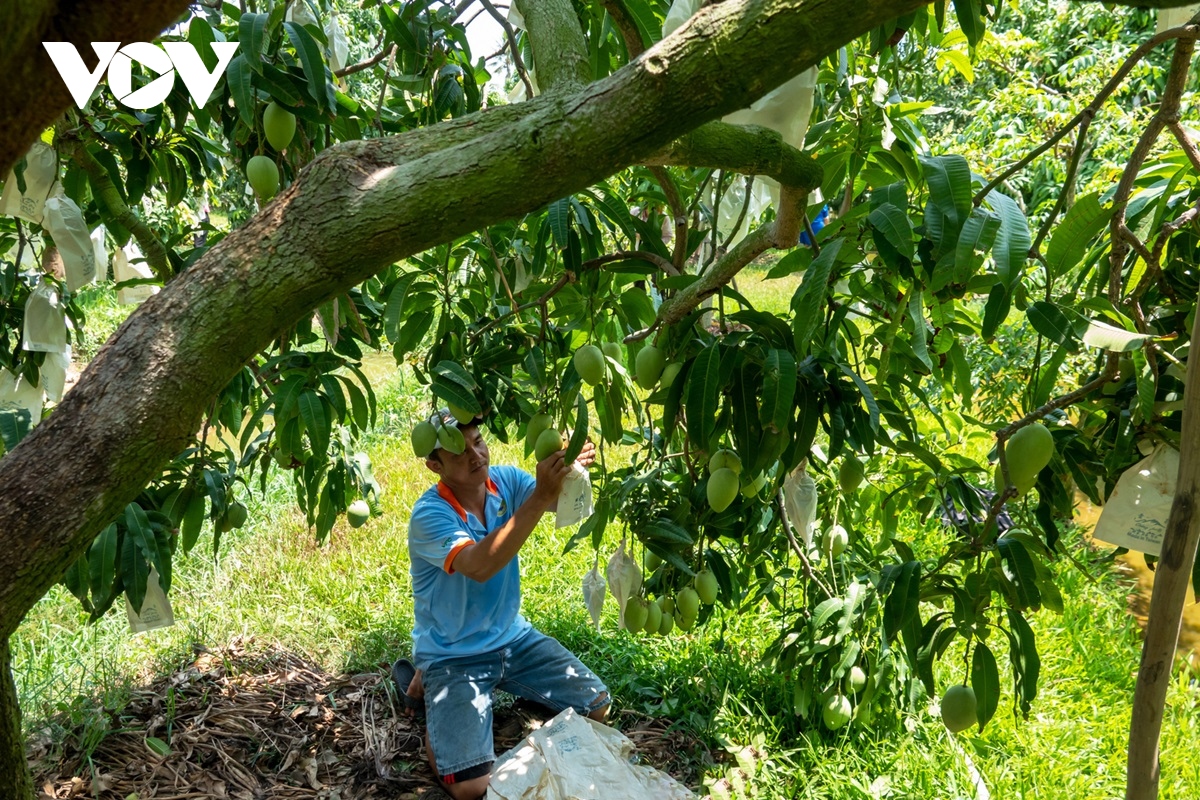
(487, 242)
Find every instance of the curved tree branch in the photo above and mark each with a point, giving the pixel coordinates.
(748, 149)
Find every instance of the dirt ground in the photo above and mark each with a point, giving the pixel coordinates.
(259, 723)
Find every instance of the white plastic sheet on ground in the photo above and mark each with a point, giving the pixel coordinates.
(1136, 513)
(41, 171)
(574, 758)
(64, 221)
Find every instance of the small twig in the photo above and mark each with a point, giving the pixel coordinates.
(487, 238)
(795, 544)
(387, 75)
(518, 62)
(675, 202)
(622, 255)
(370, 62)
(1068, 183)
(1090, 111)
(1185, 141)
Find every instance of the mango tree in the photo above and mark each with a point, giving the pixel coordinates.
(487, 245)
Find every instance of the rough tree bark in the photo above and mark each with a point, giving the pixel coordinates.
(33, 94)
(15, 781)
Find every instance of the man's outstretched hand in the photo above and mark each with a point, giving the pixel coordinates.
(553, 470)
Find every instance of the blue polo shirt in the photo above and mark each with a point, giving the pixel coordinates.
(454, 615)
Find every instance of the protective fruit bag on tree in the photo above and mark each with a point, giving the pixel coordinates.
(129, 266)
(16, 392)
(64, 221)
(681, 11)
(156, 607)
(339, 48)
(1137, 511)
(575, 499)
(1174, 17)
(800, 503)
(624, 578)
(299, 12)
(54, 374)
(45, 321)
(594, 589)
(41, 171)
(100, 252)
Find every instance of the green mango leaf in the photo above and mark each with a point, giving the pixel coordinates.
(904, 599)
(14, 426)
(310, 61)
(1024, 658)
(920, 339)
(895, 227)
(1011, 248)
(252, 30)
(453, 371)
(102, 562)
(558, 217)
(978, 235)
(240, 79)
(580, 433)
(1052, 322)
(134, 572)
(985, 680)
(1072, 237)
(1019, 569)
(703, 395)
(809, 299)
(193, 521)
(779, 389)
(316, 422)
(453, 392)
(664, 530)
(970, 20)
(996, 310)
(1109, 337)
(949, 179)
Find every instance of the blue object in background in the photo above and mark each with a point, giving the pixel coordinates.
(817, 223)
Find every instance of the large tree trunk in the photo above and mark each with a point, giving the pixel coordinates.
(15, 781)
(34, 95)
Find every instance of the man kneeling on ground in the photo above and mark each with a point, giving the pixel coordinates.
(469, 637)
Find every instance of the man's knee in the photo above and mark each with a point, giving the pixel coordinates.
(473, 789)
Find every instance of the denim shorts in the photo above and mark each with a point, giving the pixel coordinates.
(458, 694)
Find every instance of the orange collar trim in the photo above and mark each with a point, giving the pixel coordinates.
(447, 494)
